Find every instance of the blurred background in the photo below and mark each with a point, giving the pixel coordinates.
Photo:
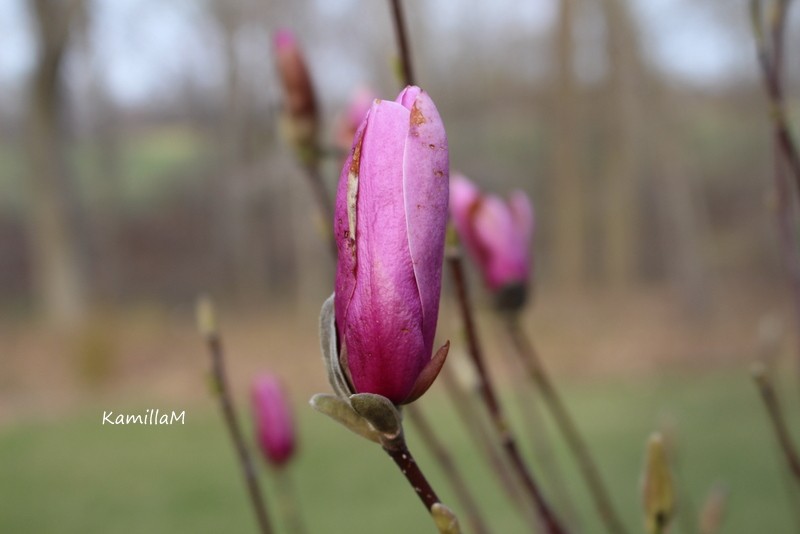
(141, 165)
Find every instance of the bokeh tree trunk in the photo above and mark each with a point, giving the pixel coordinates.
(681, 208)
(569, 258)
(104, 207)
(621, 185)
(58, 277)
(239, 171)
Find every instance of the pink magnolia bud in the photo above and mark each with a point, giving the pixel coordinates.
(353, 116)
(273, 418)
(300, 102)
(391, 216)
(496, 233)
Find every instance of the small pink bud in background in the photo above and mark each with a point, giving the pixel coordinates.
(353, 116)
(497, 235)
(391, 217)
(299, 99)
(273, 420)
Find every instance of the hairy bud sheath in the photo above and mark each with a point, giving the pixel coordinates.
(497, 233)
(391, 216)
(273, 418)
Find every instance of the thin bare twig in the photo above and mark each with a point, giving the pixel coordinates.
(457, 482)
(222, 390)
(402, 42)
(773, 406)
(577, 446)
(770, 56)
(529, 403)
(396, 448)
(769, 40)
(287, 498)
(463, 404)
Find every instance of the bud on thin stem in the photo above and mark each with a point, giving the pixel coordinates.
(687, 514)
(658, 493)
(206, 317)
(207, 325)
(769, 39)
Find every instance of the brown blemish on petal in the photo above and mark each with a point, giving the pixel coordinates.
(352, 187)
(355, 163)
(417, 117)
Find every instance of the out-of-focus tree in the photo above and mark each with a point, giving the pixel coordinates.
(622, 122)
(569, 256)
(104, 203)
(59, 281)
(236, 177)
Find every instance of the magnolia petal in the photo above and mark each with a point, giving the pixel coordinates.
(465, 200)
(523, 214)
(426, 173)
(428, 374)
(408, 96)
(382, 324)
(505, 260)
(343, 218)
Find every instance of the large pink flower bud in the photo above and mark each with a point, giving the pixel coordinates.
(497, 235)
(391, 216)
(302, 121)
(273, 420)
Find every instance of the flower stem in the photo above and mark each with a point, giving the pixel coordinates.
(402, 42)
(458, 484)
(548, 518)
(770, 50)
(566, 425)
(462, 403)
(770, 57)
(397, 449)
(539, 435)
(773, 406)
(214, 344)
(288, 502)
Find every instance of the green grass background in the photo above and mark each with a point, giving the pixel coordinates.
(72, 475)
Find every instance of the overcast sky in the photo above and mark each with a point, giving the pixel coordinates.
(143, 42)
